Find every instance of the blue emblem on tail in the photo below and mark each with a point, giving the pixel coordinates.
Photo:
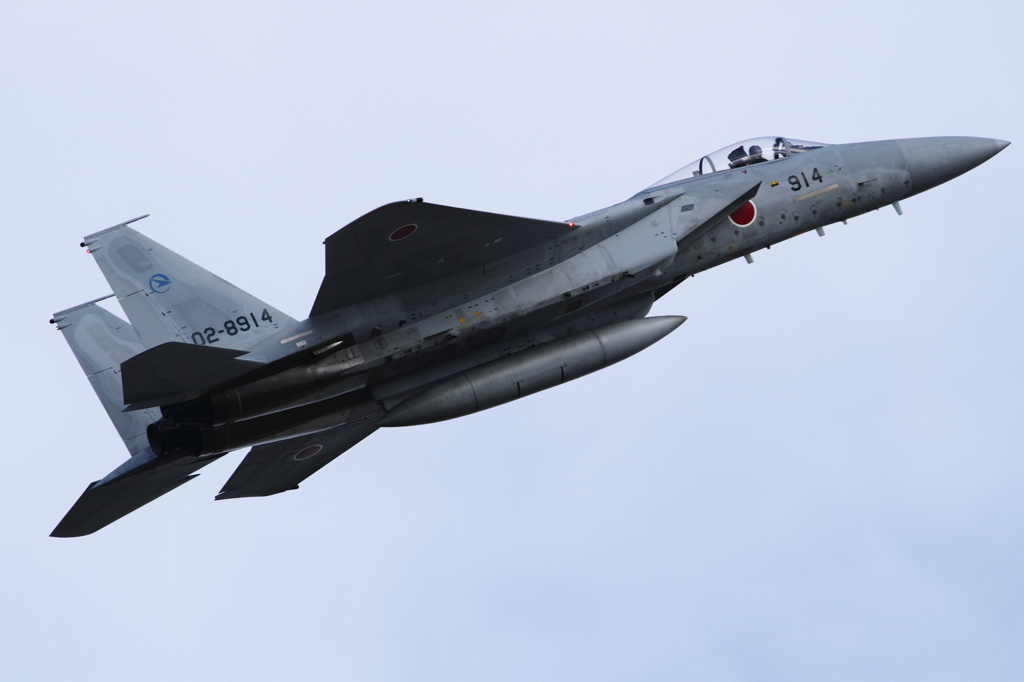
(159, 283)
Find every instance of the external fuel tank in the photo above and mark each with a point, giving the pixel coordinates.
(529, 371)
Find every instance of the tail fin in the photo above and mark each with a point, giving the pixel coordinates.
(169, 298)
(102, 341)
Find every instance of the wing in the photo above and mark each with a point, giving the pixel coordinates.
(411, 242)
(277, 467)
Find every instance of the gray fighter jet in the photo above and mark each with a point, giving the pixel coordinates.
(429, 313)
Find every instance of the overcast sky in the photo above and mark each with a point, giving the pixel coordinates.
(818, 476)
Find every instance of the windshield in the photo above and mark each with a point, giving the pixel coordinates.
(740, 154)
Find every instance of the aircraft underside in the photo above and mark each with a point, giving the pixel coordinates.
(429, 312)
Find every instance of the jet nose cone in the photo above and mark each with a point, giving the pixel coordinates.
(935, 160)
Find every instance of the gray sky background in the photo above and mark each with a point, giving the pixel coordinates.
(819, 476)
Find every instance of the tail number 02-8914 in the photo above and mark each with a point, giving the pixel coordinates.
(238, 325)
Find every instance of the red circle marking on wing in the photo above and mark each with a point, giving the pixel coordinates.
(402, 232)
(306, 453)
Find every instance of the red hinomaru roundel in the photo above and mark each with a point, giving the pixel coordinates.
(402, 232)
(306, 453)
(744, 215)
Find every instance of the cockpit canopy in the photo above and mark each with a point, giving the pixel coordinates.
(746, 153)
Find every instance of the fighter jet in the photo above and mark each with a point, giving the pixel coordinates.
(428, 312)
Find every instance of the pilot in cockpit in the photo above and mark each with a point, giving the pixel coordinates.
(739, 157)
(779, 149)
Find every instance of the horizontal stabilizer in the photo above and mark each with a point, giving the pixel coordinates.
(276, 467)
(176, 371)
(141, 480)
(410, 243)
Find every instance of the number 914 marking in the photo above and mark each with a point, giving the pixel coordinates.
(794, 181)
(239, 325)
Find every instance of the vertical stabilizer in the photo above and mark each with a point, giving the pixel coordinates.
(169, 298)
(102, 341)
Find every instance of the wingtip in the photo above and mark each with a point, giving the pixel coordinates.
(57, 534)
